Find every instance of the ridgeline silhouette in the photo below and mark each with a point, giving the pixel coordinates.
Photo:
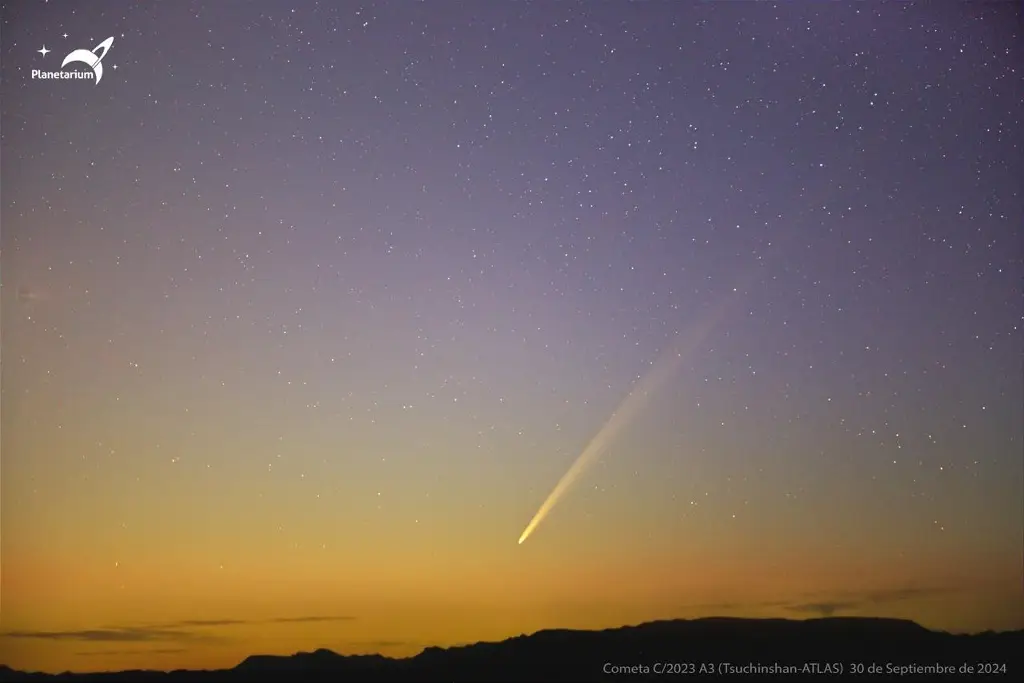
(850, 648)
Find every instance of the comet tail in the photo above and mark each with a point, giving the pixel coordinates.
(661, 371)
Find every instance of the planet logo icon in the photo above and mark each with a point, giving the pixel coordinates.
(93, 60)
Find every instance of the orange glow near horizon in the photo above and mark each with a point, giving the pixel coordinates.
(178, 609)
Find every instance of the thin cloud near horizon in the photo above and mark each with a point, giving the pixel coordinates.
(111, 635)
(834, 603)
(172, 632)
(134, 653)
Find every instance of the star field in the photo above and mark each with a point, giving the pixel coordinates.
(308, 306)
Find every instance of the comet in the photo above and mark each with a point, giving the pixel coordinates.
(659, 373)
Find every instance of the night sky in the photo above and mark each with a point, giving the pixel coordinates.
(307, 308)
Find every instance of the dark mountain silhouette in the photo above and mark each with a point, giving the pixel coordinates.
(818, 649)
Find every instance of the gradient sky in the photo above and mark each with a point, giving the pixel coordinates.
(308, 306)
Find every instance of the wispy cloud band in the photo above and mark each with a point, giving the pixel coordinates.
(832, 604)
(186, 630)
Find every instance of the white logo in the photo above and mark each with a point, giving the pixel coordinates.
(93, 59)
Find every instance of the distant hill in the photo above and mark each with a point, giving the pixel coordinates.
(751, 649)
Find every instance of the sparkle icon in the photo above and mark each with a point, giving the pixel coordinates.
(43, 51)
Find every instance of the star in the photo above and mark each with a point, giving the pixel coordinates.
(65, 36)
(43, 51)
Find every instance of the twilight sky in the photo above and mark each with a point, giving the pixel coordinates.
(308, 306)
